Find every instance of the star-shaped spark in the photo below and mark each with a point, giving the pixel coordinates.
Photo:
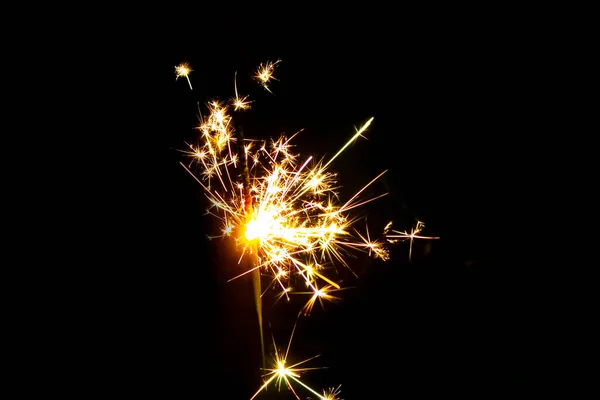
(319, 295)
(414, 234)
(280, 373)
(239, 103)
(376, 248)
(283, 214)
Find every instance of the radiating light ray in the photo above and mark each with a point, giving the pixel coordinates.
(414, 234)
(184, 70)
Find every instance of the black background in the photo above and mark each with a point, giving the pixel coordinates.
(438, 83)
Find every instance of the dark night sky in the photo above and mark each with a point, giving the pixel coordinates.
(447, 323)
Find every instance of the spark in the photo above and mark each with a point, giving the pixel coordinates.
(332, 393)
(184, 70)
(239, 103)
(280, 373)
(414, 234)
(375, 247)
(319, 295)
(264, 73)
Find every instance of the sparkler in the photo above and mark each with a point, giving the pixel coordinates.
(283, 213)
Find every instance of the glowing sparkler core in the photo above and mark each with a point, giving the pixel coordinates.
(261, 227)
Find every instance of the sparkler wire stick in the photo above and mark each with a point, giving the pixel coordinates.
(256, 284)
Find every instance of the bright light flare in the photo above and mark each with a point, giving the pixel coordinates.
(261, 227)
